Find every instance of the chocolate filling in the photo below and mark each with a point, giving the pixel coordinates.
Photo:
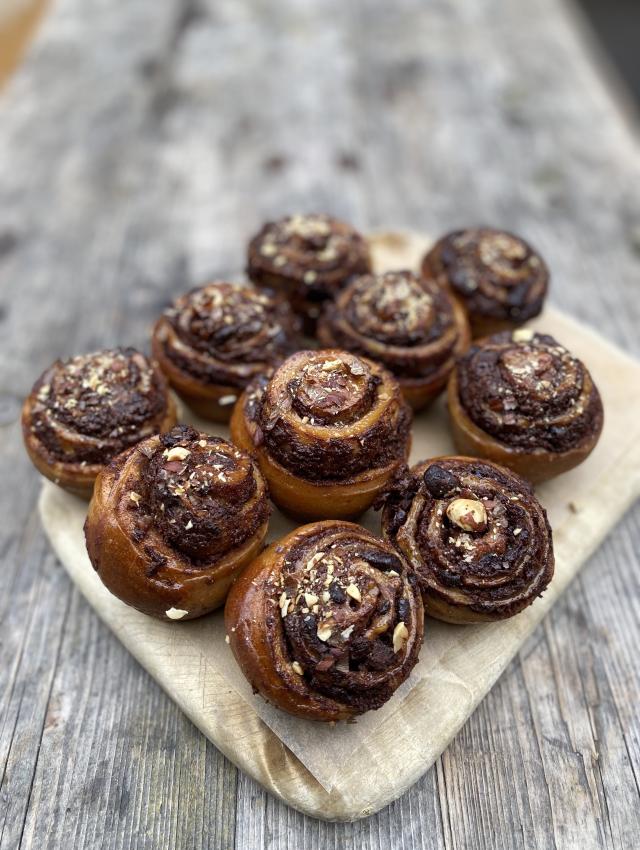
(199, 493)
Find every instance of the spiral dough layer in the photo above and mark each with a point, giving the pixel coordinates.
(328, 623)
(476, 536)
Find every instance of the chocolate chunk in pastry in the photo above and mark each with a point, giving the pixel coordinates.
(327, 623)
(522, 400)
(499, 278)
(475, 536)
(174, 520)
(83, 411)
(309, 258)
(214, 340)
(410, 325)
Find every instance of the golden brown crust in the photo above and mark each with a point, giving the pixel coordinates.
(327, 623)
(309, 258)
(522, 400)
(475, 535)
(173, 520)
(410, 325)
(213, 341)
(84, 411)
(329, 430)
(498, 277)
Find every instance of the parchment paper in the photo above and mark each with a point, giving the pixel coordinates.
(327, 771)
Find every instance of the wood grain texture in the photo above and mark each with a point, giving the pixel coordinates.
(140, 146)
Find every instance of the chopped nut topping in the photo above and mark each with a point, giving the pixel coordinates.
(268, 249)
(400, 637)
(226, 638)
(324, 632)
(177, 453)
(346, 634)
(188, 526)
(310, 599)
(328, 365)
(226, 400)
(297, 668)
(202, 444)
(135, 497)
(310, 276)
(176, 613)
(393, 573)
(354, 592)
(284, 603)
(516, 531)
(314, 560)
(468, 514)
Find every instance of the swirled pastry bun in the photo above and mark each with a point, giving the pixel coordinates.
(84, 411)
(476, 537)
(329, 430)
(327, 623)
(410, 325)
(499, 279)
(309, 258)
(173, 521)
(213, 341)
(521, 399)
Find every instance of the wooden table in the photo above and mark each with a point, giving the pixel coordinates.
(140, 145)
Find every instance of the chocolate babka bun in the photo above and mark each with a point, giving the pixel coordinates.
(528, 391)
(173, 520)
(475, 535)
(307, 257)
(84, 411)
(328, 415)
(410, 325)
(326, 419)
(499, 278)
(214, 340)
(523, 400)
(327, 623)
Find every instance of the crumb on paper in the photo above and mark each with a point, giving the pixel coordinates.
(176, 613)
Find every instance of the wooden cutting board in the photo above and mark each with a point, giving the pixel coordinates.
(352, 770)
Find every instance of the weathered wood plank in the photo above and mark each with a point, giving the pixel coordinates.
(140, 147)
